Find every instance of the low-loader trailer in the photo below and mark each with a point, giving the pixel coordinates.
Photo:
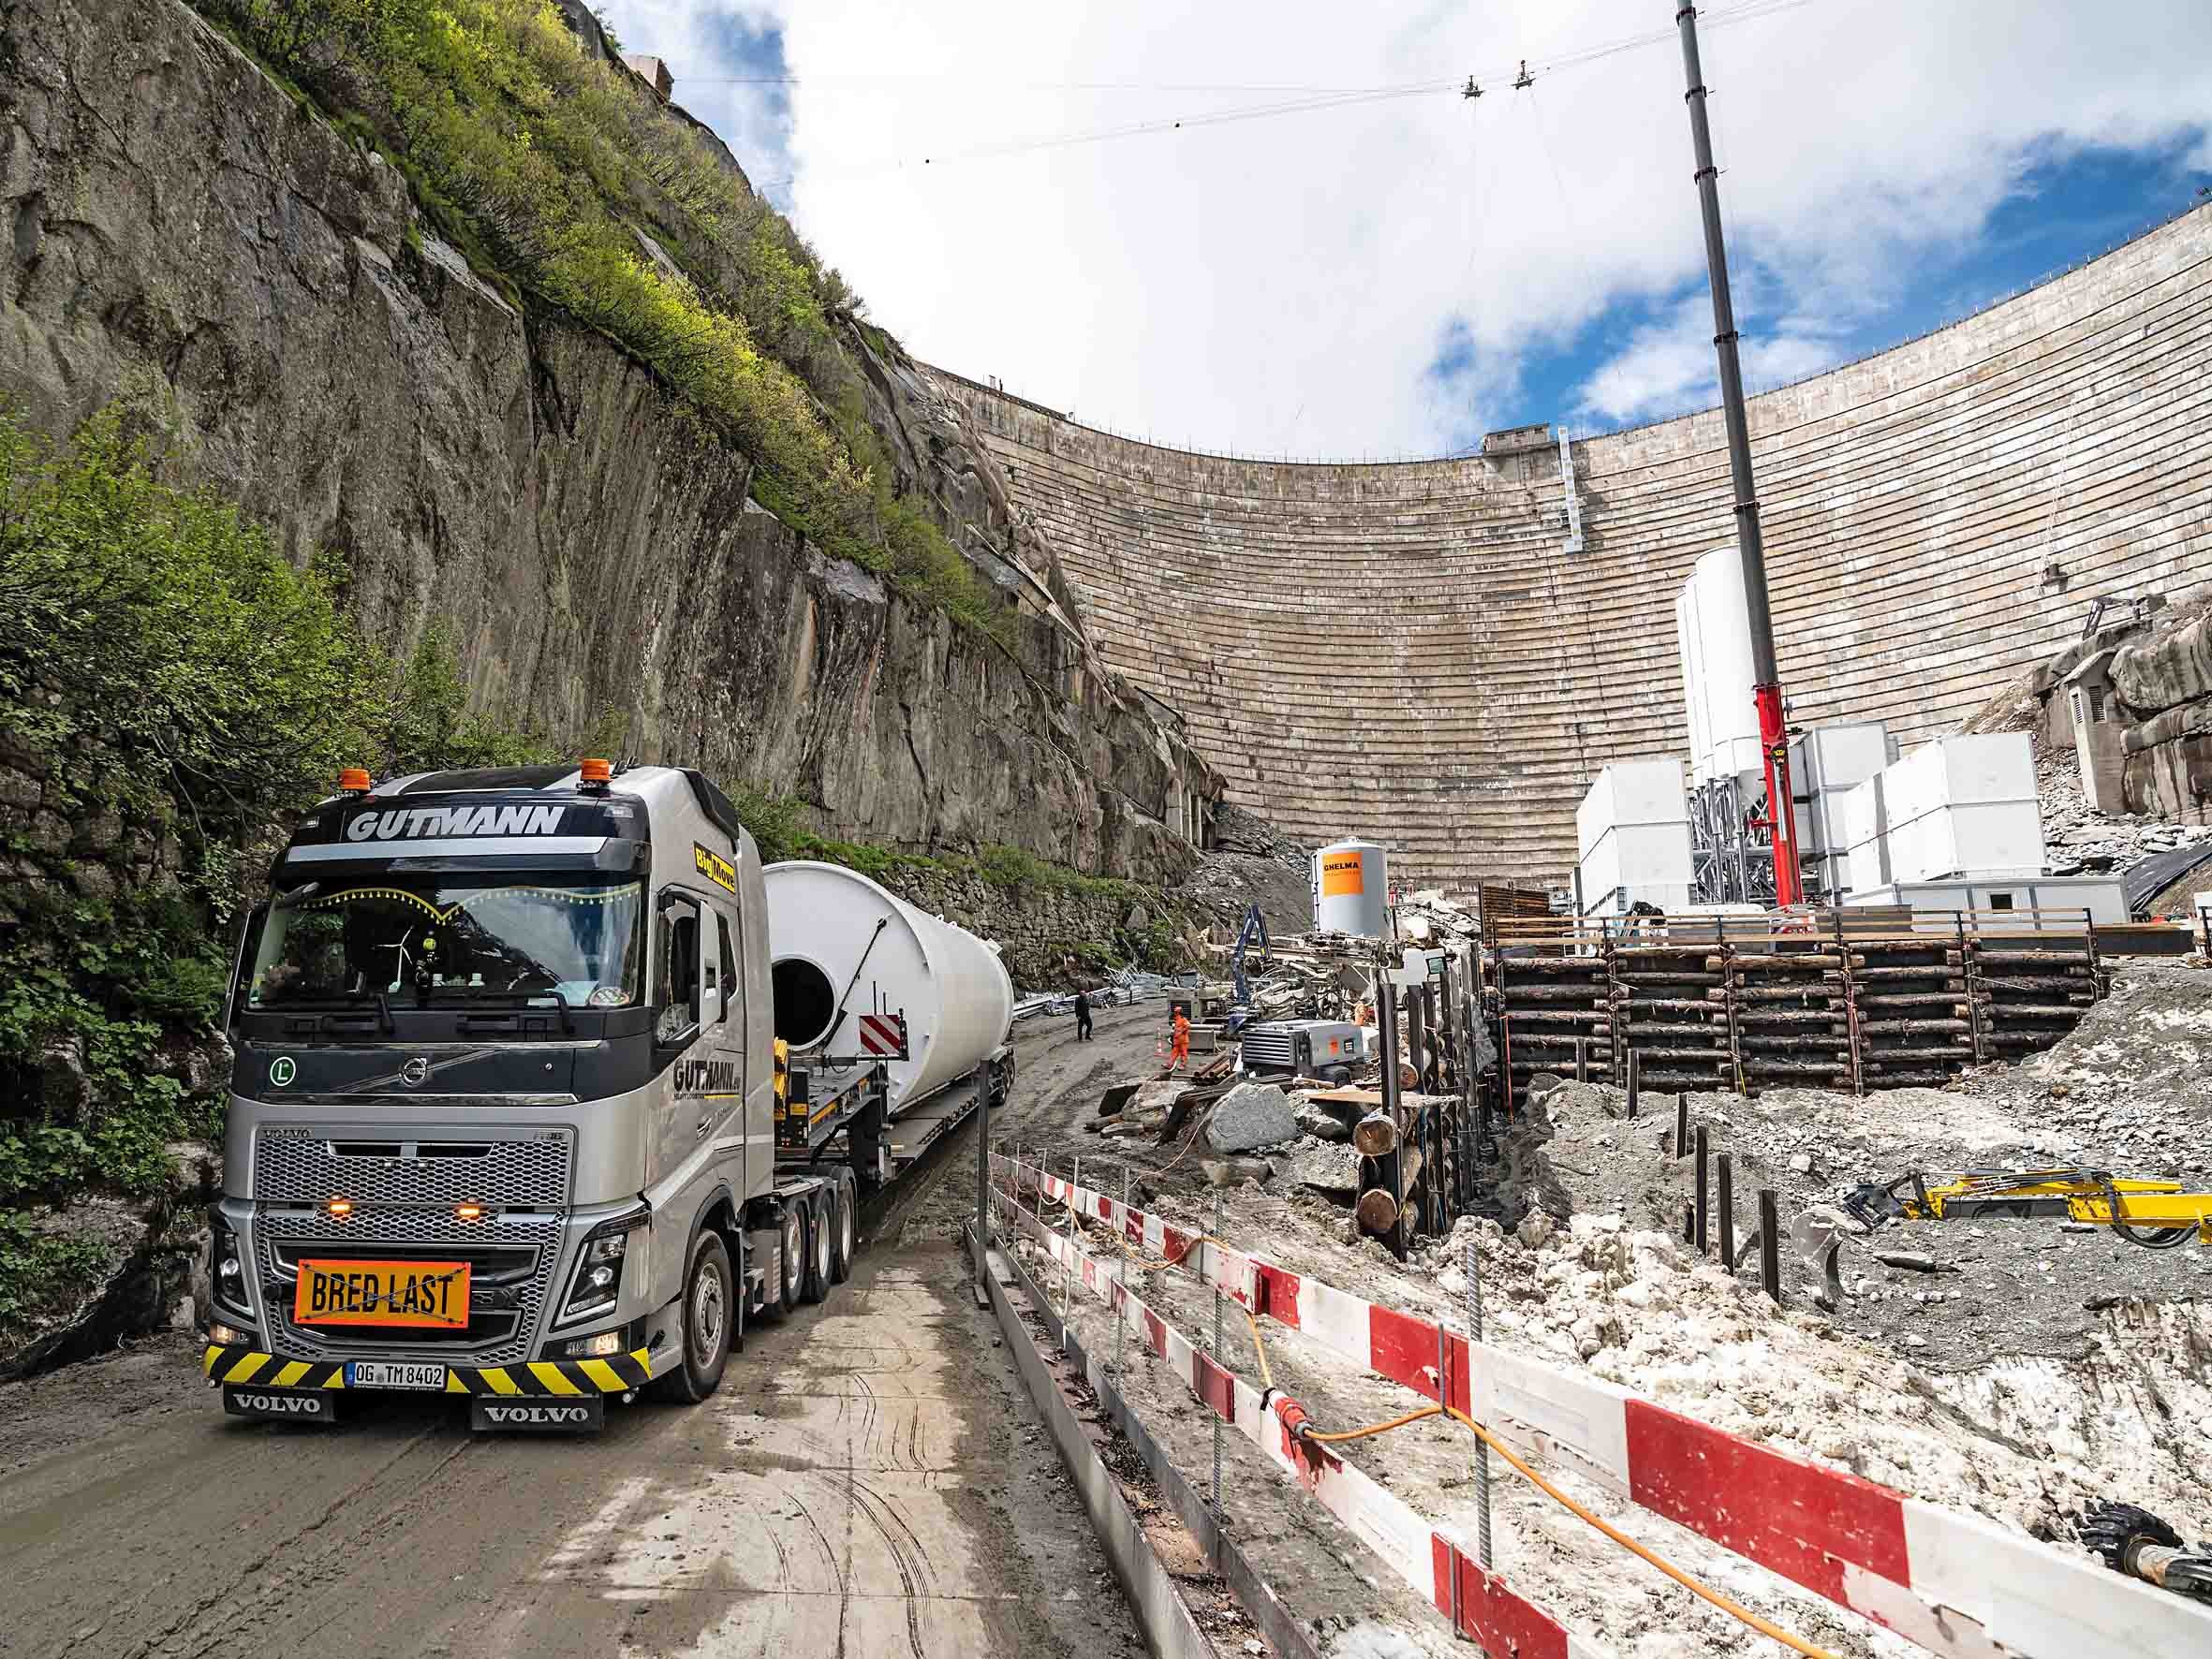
(544, 1088)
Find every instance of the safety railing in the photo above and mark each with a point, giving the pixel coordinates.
(1950, 1582)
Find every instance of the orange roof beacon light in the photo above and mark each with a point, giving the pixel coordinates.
(594, 774)
(354, 781)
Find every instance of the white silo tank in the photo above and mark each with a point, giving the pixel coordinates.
(1351, 889)
(830, 928)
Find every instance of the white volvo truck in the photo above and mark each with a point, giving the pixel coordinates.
(544, 1087)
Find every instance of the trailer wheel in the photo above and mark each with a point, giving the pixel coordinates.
(820, 1221)
(708, 1307)
(794, 1255)
(844, 1219)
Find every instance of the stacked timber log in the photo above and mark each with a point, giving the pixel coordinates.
(1407, 1162)
(1789, 1022)
(1546, 1000)
(1911, 1014)
(1669, 1006)
(1841, 1010)
(2030, 994)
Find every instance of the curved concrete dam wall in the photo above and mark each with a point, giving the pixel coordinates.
(1407, 652)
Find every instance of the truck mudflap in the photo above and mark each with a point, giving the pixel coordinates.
(618, 1373)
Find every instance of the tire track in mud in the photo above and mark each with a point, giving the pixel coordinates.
(303, 1541)
(909, 1559)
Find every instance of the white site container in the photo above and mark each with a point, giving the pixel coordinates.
(1825, 765)
(1964, 805)
(830, 926)
(1352, 889)
(1633, 832)
(2049, 904)
(1712, 635)
(1865, 834)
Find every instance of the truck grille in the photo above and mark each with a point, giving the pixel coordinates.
(1269, 1048)
(512, 1261)
(296, 1165)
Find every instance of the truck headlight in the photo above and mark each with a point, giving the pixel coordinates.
(227, 1267)
(597, 1282)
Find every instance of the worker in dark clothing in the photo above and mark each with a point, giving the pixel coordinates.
(1082, 1016)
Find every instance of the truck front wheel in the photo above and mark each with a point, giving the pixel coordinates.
(708, 1307)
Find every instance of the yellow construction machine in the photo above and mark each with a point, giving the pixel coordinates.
(2156, 1215)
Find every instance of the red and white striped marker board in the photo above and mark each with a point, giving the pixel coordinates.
(883, 1033)
(1433, 1563)
(1953, 1583)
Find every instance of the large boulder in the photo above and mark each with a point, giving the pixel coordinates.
(2171, 671)
(1252, 1116)
(1322, 1122)
(1325, 1167)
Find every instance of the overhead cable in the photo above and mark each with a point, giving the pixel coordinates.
(1519, 73)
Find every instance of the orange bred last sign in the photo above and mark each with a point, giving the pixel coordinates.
(419, 1293)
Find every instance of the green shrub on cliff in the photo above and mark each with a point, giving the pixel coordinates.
(554, 166)
(170, 688)
(159, 647)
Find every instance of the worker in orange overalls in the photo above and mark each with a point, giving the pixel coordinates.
(1179, 1047)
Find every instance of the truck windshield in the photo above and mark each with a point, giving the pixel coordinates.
(434, 941)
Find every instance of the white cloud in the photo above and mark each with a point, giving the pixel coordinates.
(1288, 283)
(1667, 365)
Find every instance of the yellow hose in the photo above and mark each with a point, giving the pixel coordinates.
(1734, 1609)
(1266, 1377)
(1372, 1429)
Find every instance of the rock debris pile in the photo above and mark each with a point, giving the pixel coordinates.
(2078, 839)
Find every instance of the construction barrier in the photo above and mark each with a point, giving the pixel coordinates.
(1953, 1583)
(1435, 1564)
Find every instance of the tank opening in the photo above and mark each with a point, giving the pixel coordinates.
(806, 1001)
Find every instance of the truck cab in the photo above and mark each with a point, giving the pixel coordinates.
(504, 1103)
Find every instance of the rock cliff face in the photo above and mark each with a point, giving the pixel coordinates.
(183, 236)
(2165, 682)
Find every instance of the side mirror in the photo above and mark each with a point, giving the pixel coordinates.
(249, 931)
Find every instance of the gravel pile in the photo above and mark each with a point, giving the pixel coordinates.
(2130, 1091)
(1252, 862)
(2078, 839)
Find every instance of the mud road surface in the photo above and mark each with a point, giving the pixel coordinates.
(870, 1480)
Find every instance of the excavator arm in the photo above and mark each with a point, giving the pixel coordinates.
(1254, 932)
(2155, 1214)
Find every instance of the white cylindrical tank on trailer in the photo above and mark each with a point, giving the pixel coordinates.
(1351, 889)
(830, 928)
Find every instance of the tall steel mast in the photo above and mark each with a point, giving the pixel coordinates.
(1774, 737)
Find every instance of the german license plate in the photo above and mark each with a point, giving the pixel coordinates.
(384, 1373)
(427, 1294)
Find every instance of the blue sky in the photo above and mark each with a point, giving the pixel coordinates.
(1400, 274)
(2065, 210)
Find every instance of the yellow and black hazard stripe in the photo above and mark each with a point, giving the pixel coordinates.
(618, 1373)
(250, 1365)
